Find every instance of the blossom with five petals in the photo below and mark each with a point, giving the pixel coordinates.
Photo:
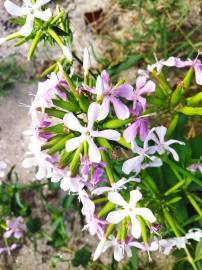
(87, 133)
(129, 209)
(31, 11)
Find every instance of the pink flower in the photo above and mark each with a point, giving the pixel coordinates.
(143, 86)
(15, 227)
(111, 94)
(140, 126)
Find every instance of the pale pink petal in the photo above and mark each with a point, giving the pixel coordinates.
(72, 122)
(121, 110)
(74, 143)
(198, 73)
(99, 249)
(161, 132)
(140, 82)
(130, 132)
(99, 86)
(125, 90)
(146, 214)
(116, 217)
(28, 26)
(174, 141)
(109, 134)
(93, 151)
(116, 198)
(93, 113)
(149, 87)
(15, 10)
(105, 78)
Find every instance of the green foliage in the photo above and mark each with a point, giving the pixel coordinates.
(10, 72)
(81, 257)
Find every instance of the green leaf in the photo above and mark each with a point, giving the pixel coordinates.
(34, 225)
(81, 257)
(198, 251)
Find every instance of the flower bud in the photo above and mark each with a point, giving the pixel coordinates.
(67, 53)
(99, 87)
(86, 61)
(191, 110)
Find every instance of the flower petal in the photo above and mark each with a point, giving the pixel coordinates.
(135, 196)
(140, 82)
(149, 87)
(99, 249)
(198, 73)
(72, 122)
(15, 10)
(104, 109)
(40, 3)
(105, 78)
(121, 110)
(136, 228)
(173, 152)
(74, 143)
(118, 253)
(109, 134)
(28, 26)
(116, 217)
(67, 52)
(43, 15)
(125, 90)
(130, 132)
(93, 151)
(93, 113)
(116, 198)
(132, 164)
(146, 213)
(100, 190)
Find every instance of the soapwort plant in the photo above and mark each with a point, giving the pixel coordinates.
(130, 154)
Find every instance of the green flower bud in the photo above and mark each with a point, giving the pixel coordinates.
(194, 99)
(190, 111)
(172, 125)
(116, 123)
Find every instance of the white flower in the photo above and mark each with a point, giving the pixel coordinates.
(129, 209)
(136, 164)
(157, 135)
(168, 244)
(86, 61)
(3, 166)
(73, 184)
(87, 133)
(31, 11)
(154, 246)
(2, 40)
(194, 234)
(170, 62)
(39, 159)
(115, 186)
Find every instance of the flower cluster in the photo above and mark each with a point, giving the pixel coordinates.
(14, 230)
(81, 133)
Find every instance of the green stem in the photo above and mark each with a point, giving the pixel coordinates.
(34, 45)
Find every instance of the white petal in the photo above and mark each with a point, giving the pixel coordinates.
(132, 164)
(93, 113)
(93, 151)
(67, 53)
(43, 15)
(116, 198)
(173, 152)
(104, 109)
(135, 196)
(99, 249)
(29, 162)
(41, 173)
(100, 190)
(74, 143)
(72, 122)
(15, 10)
(109, 134)
(118, 253)
(86, 60)
(40, 3)
(161, 132)
(146, 213)
(99, 86)
(136, 228)
(28, 26)
(116, 217)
